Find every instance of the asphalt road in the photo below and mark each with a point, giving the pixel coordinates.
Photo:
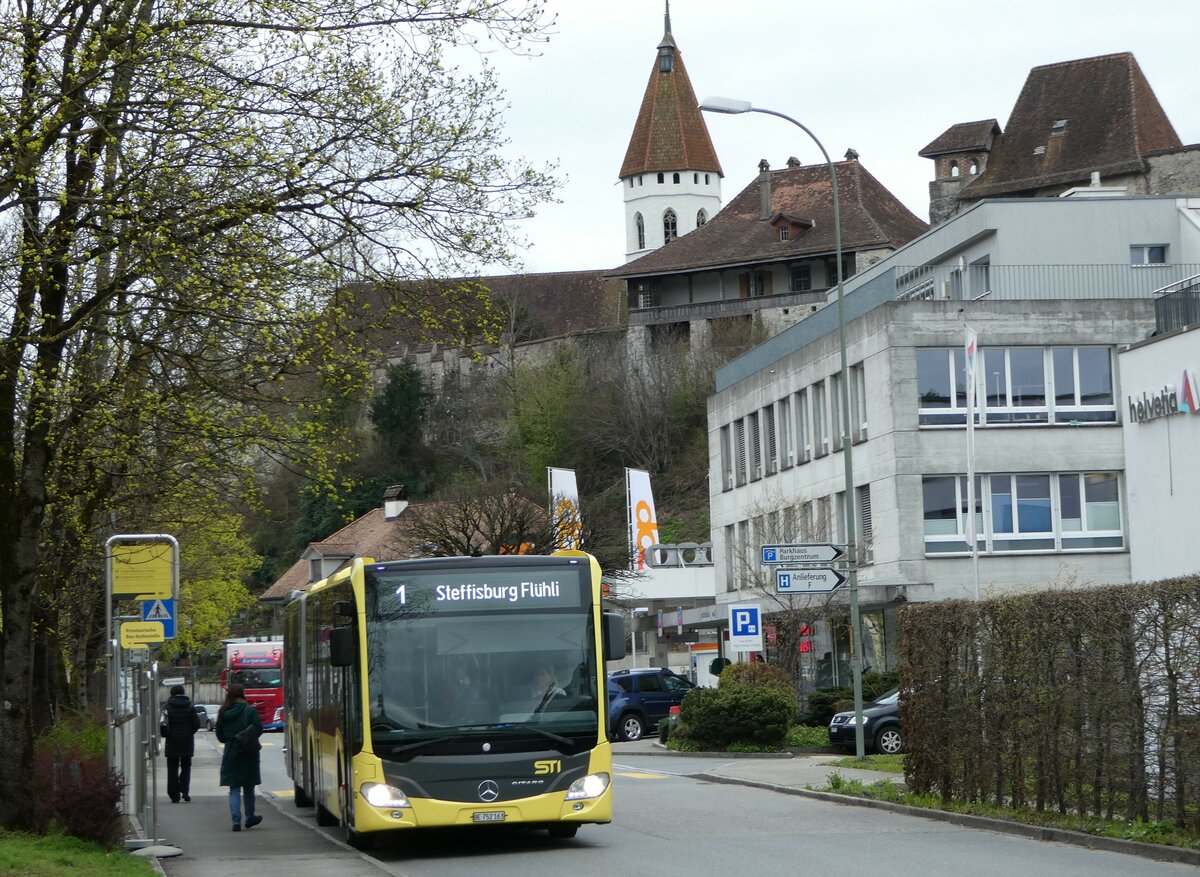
(667, 819)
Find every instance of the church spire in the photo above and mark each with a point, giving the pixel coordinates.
(671, 178)
(670, 134)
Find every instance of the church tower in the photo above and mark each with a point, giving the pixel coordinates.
(671, 178)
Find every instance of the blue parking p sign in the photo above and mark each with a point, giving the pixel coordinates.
(745, 628)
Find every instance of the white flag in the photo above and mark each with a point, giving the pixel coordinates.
(643, 521)
(564, 507)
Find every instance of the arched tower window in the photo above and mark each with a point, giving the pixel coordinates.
(973, 169)
(641, 230)
(661, 178)
(675, 179)
(696, 179)
(954, 168)
(670, 226)
(701, 218)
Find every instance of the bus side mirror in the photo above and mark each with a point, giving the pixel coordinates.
(341, 646)
(613, 636)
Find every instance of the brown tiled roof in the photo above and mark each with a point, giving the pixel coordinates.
(963, 137)
(670, 133)
(1113, 119)
(369, 536)
(565, 302)
(871, 217)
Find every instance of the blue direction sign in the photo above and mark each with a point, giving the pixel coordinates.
(814, 580)
(808, 552)
(161, 610)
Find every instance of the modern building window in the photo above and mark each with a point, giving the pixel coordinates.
(739, 459)
(726, 460)
(1024, 512)
(858, 404)
(787, 448)
(820, 420)
(670, 226)
(803, 430)
(1017, 386)
(801, 278)
(772, 453)
(641, 231)
(865, 533)
(836, 425)
(701, 218)
(730, 563)
(755, 446)
(1148, 254)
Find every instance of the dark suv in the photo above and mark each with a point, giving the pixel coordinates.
(639, 699)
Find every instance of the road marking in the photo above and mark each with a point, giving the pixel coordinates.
(642, 776)
(289, 793)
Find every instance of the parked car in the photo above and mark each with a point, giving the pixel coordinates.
(881, 726)
(639, 699)
(208, 719)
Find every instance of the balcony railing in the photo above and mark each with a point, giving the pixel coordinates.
(1037, 282)
(648, 314)
(1178, 305)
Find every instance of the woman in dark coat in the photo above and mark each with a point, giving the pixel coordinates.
(181, 723)
(239, 765)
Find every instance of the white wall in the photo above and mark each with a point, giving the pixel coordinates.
(1162, 465)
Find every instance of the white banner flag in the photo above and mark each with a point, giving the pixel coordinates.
(564, 507)
(643, 521)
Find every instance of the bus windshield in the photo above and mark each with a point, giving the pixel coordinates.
(507, 655)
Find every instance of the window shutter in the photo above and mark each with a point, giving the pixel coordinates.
(768, 283)
(744, 282)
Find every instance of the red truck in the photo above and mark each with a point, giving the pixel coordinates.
(258, 666)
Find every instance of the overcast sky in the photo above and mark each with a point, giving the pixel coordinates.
(882, 76)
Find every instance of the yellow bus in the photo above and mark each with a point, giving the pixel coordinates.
(455, 691)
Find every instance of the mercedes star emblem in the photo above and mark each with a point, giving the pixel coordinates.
(488, 791)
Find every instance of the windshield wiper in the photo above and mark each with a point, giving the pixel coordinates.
(565, 744)
(422, 744)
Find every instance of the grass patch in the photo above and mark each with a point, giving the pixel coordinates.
(884, 763)
(1164, 833)
(808, 737)
(58, 855)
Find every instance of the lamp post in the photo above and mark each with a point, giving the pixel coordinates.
(732, 106)
(641, 610)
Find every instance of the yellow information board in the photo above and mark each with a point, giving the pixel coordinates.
(143, 571)
(135, 634)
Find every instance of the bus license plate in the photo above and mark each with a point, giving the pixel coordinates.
(488, 816)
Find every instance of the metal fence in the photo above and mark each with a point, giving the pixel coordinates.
(1038, 282)
(1178, 305)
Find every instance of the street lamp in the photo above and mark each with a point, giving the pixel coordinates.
(641, 610)
(735, 107)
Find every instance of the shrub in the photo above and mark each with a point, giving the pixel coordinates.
(756, 675)
(721, 717)
(74, 790)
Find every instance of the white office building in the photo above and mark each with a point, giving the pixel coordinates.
(1052, 288)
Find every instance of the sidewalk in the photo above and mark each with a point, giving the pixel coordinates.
(286, 844)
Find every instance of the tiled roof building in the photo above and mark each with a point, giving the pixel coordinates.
(1093, 121)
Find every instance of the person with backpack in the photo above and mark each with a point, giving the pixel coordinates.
(239, 727)
(179, 726)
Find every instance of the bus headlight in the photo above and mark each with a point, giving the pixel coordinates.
(590, 786)
(381, 795)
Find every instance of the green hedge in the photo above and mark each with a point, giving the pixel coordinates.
(1083, 701)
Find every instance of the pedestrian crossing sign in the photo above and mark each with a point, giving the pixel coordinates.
(161, 610)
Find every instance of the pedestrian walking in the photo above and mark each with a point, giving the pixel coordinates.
(239, 727)
(179, 726)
